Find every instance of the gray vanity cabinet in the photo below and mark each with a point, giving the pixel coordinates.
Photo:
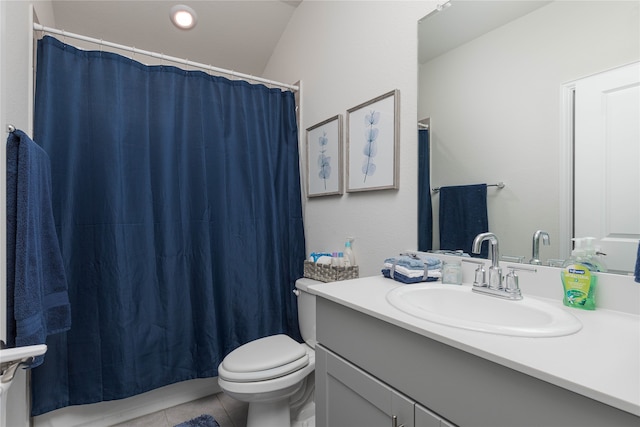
(368, 370)
(347, 396)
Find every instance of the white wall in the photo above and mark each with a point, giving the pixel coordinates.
(346, 53)
(495, 108)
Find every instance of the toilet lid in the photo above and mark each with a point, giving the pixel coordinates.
(264, 358)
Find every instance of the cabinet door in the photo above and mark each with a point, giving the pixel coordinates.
(347, 396)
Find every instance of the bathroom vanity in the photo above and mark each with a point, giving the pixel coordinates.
(375, 362)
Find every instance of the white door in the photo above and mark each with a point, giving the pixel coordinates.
(607, 163)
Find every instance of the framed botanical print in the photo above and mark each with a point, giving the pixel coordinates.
(372, 144)
(324, 158)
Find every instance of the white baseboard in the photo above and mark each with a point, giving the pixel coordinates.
(105, 414)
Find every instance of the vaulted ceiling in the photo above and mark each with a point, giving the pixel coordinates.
(239, 35)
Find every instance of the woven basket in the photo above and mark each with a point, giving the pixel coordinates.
(329, 273)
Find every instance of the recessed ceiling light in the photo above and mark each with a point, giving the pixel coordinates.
(183, 17)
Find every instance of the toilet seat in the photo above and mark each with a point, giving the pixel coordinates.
(263, 359)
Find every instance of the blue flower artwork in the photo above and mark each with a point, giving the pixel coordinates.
(371, 146)
(324, 158)
(324, 161)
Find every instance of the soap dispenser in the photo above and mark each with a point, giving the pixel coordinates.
(348, 251)
(578, 279)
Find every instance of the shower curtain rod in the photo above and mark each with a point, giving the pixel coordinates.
(39, 27)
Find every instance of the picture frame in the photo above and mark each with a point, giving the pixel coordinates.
(373, 130)
(324, 158)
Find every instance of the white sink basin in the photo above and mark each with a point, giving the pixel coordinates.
(459, 307)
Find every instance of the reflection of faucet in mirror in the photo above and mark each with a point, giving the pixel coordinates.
(535, 258)
(495, 272)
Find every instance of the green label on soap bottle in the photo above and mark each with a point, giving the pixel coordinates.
(579, 283)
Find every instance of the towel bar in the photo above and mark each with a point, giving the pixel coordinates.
(499, 185)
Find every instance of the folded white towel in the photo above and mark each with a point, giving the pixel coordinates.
(324, 260)
(413, 273)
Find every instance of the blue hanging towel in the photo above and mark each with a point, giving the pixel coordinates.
(463, 215)
(37, 300)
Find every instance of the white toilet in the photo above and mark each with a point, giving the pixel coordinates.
(275, 374)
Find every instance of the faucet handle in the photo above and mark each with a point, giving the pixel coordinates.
(511, 280)
(480, 274)
(480, 277)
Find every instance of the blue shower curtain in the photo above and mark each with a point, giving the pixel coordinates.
(425, 213)
(176, 197)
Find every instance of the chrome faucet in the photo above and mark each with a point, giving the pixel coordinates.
(495, 272)
(535, 259)
(494, 286)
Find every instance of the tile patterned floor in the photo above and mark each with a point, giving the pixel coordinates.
(227, 411)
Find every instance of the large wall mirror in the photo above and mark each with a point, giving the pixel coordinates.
(496, 85)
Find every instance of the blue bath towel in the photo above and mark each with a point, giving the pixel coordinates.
(399, 277)
(412, 267)
(637, 271)
(463, 215)
(37, 299)
(415, 261)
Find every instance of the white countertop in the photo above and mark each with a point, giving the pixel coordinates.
(601, 361)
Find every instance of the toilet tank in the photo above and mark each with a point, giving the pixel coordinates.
(307, 310)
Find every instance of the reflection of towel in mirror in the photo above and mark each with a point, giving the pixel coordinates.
(637, 272)
(37, 299)
(463, 215)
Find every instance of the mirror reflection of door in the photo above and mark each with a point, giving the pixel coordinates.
(607, 163)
